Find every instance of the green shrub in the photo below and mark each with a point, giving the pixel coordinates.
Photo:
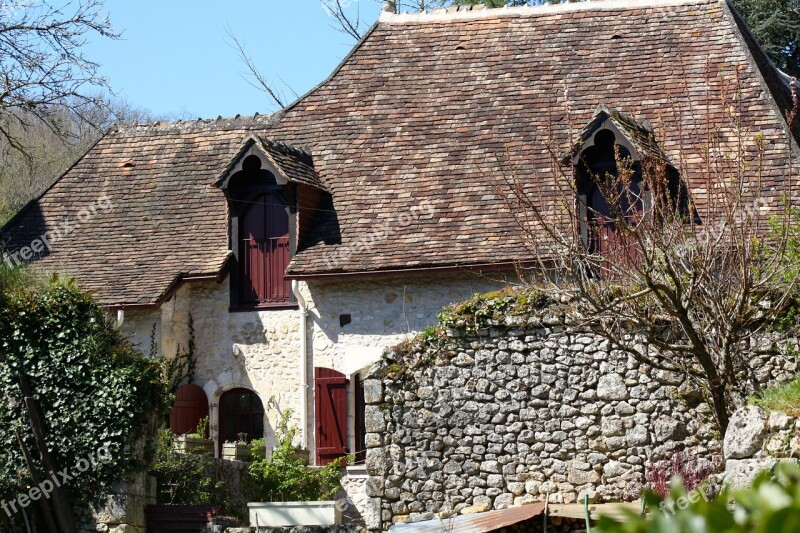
(286, 477)
(771, 505)
(94, 389)
(199, 479)
(202, 429)
(184, 478)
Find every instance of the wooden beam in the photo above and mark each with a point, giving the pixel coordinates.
(576, 510)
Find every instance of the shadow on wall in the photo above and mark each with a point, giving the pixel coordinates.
(325, 226)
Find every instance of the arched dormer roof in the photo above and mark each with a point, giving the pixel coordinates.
(636, 136)
(287, 163)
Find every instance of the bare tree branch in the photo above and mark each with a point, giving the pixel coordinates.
(640, 272)
(256, 78)
(342, 22)
(42, 64)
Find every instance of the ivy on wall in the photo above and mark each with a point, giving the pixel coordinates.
(95, 390)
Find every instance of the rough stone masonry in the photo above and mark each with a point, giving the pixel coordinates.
(510, 415)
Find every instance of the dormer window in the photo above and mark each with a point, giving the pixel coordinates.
(264, 251)
(264, 185)
(262, 237)
(621, 174)
(601, 195)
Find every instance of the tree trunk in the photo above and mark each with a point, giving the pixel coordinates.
(61, 503)
(720, 405)
(43, 502)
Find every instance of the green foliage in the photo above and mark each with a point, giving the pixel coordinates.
(202, 429)
(286, 477)
(258, 447)
(771, 505)
(776, 25)
(11, 279)
(199, 479)
(94, 389)
(785, 397)
(184, 478)
(784, 230)
(523, 306)
(484, 310)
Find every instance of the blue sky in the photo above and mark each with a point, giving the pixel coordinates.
(174, 55)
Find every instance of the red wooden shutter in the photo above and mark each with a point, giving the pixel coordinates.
(265, 252)
(191, 405)
(331, 414)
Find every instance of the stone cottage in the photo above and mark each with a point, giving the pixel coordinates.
(288, 251)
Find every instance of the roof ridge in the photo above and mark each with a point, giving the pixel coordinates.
(462, 13)
(220, 121)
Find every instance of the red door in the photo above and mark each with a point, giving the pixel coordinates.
(191, 406)
(330, 407)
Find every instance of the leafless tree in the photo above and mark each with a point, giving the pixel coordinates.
(349, 24)
(345, 18)
(681, 287)
(42, 61)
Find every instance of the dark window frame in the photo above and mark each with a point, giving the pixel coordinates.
(359, 421)
(240, 199)
(593, 210)
(223, 422)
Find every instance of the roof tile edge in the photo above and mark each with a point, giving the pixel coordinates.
(441, 15)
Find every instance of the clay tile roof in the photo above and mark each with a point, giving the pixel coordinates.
(410, 136)
(167, 222)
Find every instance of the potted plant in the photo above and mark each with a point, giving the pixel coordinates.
(197, 442)
(258, 450)
(238, 451)
(291, 493)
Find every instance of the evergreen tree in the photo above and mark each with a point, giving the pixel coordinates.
(776, 25)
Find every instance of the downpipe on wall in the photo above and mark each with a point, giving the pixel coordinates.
(303, 359)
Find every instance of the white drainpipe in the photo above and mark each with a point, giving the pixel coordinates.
(303, 359)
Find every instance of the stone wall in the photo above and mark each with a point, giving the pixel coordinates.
(124, 508)
(383, 313)
(467, 420)
(755, 441)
